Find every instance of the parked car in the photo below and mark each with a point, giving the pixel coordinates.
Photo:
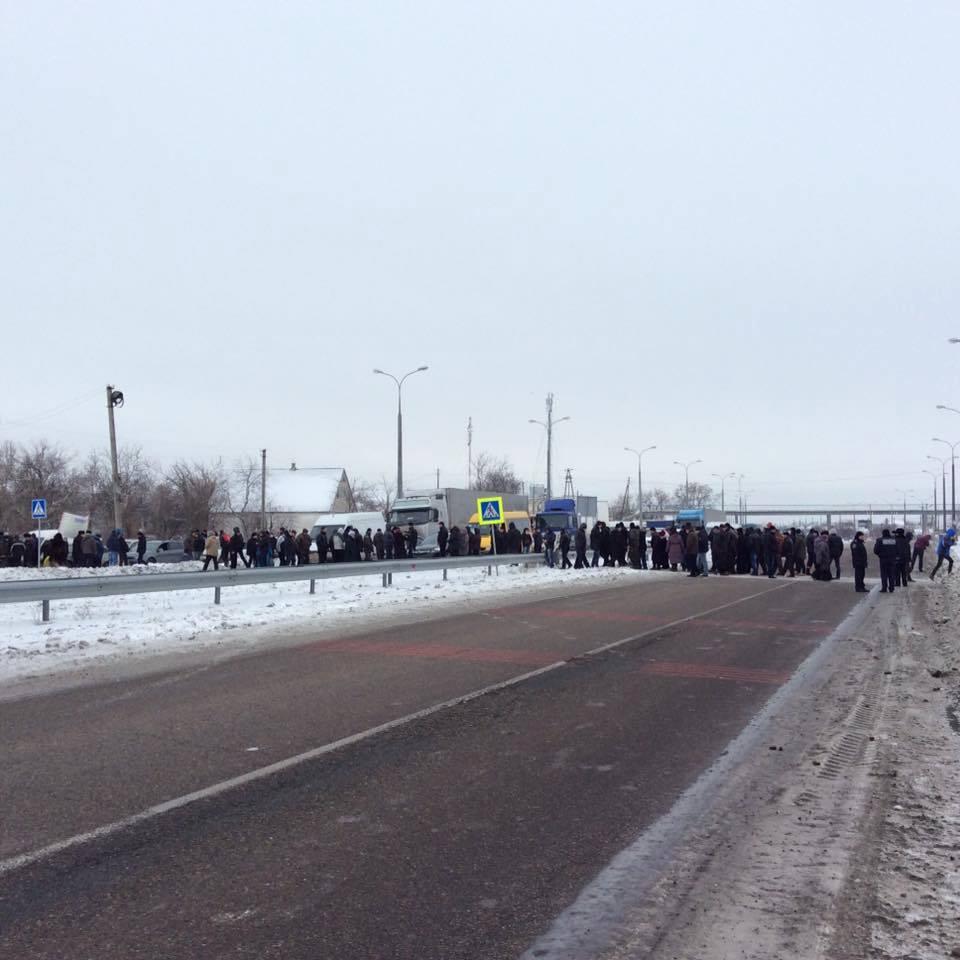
(159, 551)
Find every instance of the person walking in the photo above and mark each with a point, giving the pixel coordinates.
(580, 545)
(703, 547)
(564, 549)
(886, 550)
(944, 545)
(211, 551)
(836, 551)
(919, 549)
(549, 542)
(858, 556)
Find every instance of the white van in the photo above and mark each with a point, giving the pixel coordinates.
(329, 522)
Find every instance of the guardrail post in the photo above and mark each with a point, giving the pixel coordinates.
(45, 610)
(444, 573)
(313, 586)
(389, 579)
(490, 570)
(216, 594)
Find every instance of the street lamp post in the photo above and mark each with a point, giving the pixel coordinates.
(932, 474)
(953, 476)
(686, 481)
(943, 477)
(723, 478)
(548, 425)
(640, 454)
(399, 384)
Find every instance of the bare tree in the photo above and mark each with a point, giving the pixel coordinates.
(374, 494)
(656, 500)
(42, 470)
(496, 474)
(698, 496)
(198, 491)
(241, 493)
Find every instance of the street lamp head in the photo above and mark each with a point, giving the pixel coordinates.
(421, 368)
(954, 340)
(375, 370)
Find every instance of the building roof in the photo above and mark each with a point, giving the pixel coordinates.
(304, 490)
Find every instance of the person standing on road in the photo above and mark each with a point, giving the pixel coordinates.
(858, 555)
(821, 558)
(770, 550)
(580, 543)
(886, 550)
(443, 535)
(674, 549)
(943, 552)
(211, 551)
(378, 543)
(836, 551)
(141, 545)
(412, 539)
(691, 552)
(703, 546)
(903, 557)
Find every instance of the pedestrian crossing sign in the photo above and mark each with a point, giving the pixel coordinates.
(38, 508)
(490, 509)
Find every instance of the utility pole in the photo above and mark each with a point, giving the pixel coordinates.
(263, 490)
(469, 451)
(640, 454)
(114, 399)
(438, 478)
(548, 426)
(953, 481)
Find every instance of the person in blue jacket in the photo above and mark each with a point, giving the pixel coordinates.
(943, 552)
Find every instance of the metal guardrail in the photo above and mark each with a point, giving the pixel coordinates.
(45, 589)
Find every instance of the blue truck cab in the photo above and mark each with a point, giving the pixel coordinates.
(558, 514)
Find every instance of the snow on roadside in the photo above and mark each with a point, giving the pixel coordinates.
(917, 911)
(82, 632)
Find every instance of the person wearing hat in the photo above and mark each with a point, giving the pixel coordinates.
(858, 555)
(943, 551)
(886, 550)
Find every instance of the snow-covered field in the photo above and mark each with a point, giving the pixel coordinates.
(83, 632)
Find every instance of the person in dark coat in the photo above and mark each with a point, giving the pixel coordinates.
(595, 543)
(537, 541)
(770, 550)
(564, 550)
(835, 542)
(378, 543)
(323, 546)
(886, 550)
(633, 546)
(412, 540)
(903, 558)
(513, 539)
(580, 545)
(141, 546)
(399, 544)
(456, 541)
(549, 542)
(858, 556)
(642, 548)
(443, 535)
(388, 543)
(811, 540)
(368, 545)
(526, 540)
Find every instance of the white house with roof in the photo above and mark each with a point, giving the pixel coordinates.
(296, 496)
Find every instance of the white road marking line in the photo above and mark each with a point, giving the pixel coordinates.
(99, 833)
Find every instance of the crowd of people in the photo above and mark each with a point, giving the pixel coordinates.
(694, 550)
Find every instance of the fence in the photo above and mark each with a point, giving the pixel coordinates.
(45, 589)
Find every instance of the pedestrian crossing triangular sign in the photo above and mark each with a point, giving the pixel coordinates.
(491, 512)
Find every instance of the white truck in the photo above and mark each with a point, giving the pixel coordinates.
(452, 506)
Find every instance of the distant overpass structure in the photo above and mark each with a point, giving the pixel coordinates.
(916, 514)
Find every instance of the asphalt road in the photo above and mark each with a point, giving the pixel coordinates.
(458, 834)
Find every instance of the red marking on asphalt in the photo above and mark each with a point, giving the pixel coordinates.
(452, 652)
(444, 651)
(710, 671)
(608, 616)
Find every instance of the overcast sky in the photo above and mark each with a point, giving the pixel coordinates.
(728, 229)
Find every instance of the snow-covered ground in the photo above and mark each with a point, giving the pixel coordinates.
(83, 632)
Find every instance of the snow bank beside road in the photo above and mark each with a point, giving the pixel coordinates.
(82, 632)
